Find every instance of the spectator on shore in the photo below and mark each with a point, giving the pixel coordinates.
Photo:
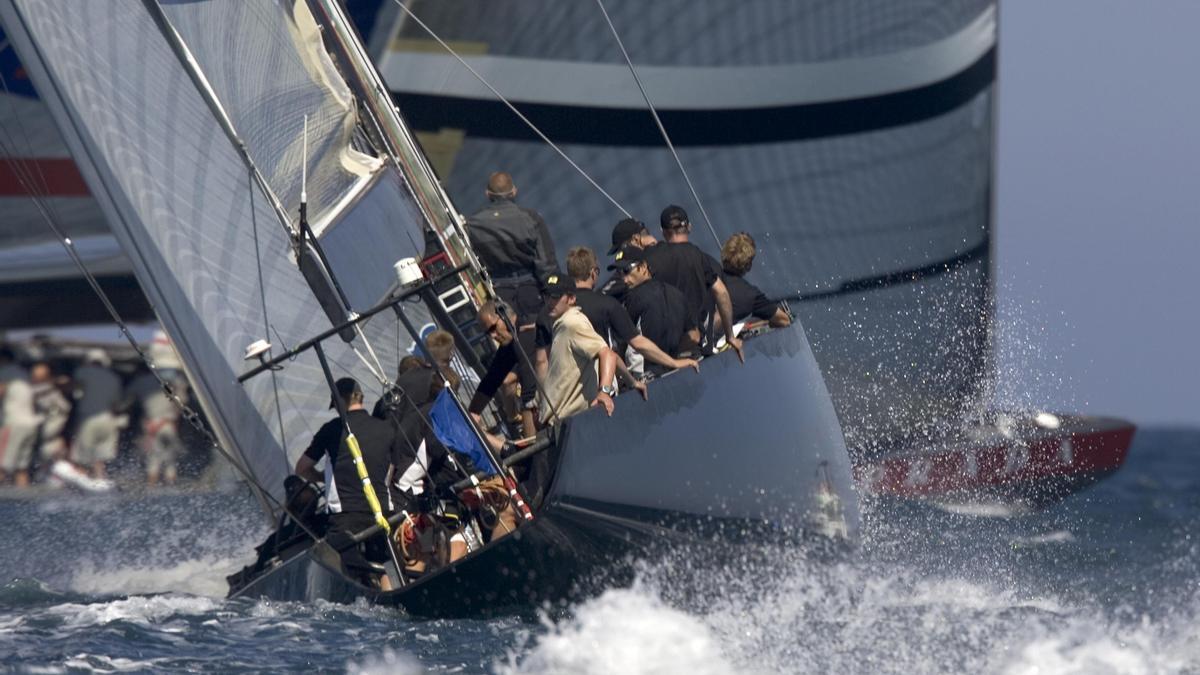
(97, 394)
(54, 409)
(18, 430)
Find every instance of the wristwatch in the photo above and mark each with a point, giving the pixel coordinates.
(609, 389)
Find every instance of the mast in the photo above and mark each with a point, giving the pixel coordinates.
(443, 218)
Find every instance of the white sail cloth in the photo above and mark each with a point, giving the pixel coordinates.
(208, 247)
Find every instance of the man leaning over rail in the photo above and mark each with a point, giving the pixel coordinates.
(609, 319)
(573, 382)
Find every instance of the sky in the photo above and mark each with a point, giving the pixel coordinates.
(1098, 207)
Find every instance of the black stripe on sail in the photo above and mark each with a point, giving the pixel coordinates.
(907, 276)
(741, 126)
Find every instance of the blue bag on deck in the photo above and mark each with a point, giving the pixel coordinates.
(452, 429)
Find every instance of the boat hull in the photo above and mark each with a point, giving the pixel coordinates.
(708, 455)
(1023, 463)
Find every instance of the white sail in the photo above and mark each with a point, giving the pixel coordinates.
(207, 241)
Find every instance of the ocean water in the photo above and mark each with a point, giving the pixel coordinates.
(1106, 582)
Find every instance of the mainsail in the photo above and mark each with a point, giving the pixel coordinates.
(187, 119)
(853, 139)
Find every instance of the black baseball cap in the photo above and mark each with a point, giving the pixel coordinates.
(345, 387)
(673, 216)
(624, 231)
(627, 257)
(557, 285)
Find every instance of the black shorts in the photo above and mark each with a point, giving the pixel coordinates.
(347, 524)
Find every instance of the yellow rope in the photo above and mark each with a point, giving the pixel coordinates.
(368, 489)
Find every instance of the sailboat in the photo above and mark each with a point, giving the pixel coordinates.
(854, 140)
(251, 165)
(858, 136)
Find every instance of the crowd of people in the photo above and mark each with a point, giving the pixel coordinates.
(562, 345)
(63, 426)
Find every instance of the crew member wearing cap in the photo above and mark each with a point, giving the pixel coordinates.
(659, 309)
(630, 232)
(608, 317)
(737, 255)
(514, 244)
(573, 380)
(681, 264)
(350, 512)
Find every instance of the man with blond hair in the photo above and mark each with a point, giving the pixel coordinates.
(737, 256)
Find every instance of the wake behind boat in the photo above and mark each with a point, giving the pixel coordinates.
(264, 186)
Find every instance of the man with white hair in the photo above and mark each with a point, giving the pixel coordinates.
(98, 391)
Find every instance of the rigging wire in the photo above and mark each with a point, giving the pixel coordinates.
(262, 294)
(377, 374)
(37, 197)
(189, 414)
(662, 129)
(533, 127)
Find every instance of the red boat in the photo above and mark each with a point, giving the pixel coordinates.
(1026, 459)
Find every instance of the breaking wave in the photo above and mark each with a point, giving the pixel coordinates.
(890, 624)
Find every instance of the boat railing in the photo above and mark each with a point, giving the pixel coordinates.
(389, 303)
(542, 443)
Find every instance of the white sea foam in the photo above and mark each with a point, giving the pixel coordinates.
(1054, 537)
(199, 576)
(143, 610)
(104, 664)
(389, 663)
(983, 509)
(849, 619)
(1086, 645)
(627, 631)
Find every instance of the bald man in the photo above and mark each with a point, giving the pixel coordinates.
(514, 244)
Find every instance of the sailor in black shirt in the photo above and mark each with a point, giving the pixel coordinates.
(344, 495)
(737, 256)
(681, 264)
(609, 318)
(659, 309)
(629, 232)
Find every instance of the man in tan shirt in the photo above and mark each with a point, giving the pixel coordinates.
(573, 378)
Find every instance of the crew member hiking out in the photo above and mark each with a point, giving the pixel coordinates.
(350, 512)
(514, 244)
(609, 319)
(659, 309)
(573, 380)
(680, 263)
(737, 256)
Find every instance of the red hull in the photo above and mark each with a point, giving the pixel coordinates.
(1032, 464)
